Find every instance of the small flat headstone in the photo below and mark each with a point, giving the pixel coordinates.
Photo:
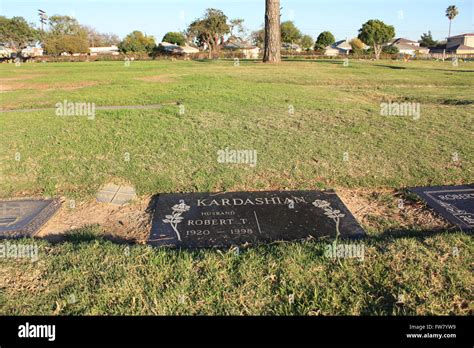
(116, 194)
(454, 203)
(203, 220)
(24, 218)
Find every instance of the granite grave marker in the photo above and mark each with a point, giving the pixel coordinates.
(200, 220)
(454, 203)
(24, 218)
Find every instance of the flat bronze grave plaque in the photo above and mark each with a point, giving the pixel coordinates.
(202, 220)
(454, 203)
(24, 218)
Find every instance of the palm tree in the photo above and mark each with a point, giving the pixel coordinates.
(451, 12)
(272, 32)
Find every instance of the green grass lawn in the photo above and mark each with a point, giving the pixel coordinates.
(337, 111)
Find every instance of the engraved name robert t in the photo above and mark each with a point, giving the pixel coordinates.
(222, 218)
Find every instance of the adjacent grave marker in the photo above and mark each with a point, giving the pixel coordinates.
(199, 220)
(116, 194)
(24, 218)
(454, 203)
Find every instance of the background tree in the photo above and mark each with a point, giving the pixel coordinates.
(17, 33)
(357, 46)
(258, 37)
(324, 39)
(64, 25)
(174, 38)
(307, 42)
(65, 35)
(290, 33)
(97, 39)
(451, 13)
(237, 27)
(375, 33)
(55, 45)
(427, 40)
(390, 49)
(137, 42)
(272, 47)
(210, 30)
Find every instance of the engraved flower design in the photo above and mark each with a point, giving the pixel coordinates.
(176, 217)
(331, 213)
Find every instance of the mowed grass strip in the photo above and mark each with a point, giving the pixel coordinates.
(89, 276)
(337, 111)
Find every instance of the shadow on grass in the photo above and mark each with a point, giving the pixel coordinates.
(456, 70)
(87, 234)
(92, 233)
(391, 234)
(392, 67)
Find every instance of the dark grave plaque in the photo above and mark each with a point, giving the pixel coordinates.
(201, 220)
(24, 218)
(454, 203)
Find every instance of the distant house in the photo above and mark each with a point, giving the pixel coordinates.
(460, 44)
(176, 49)
(408, 47)
(5, 52)
(113, 50)
(291, 47)
(31, 52)
(248, 50)
(339, 48)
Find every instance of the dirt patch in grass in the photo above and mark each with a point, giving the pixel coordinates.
(130, 222)
(158, 78)
(384, 209)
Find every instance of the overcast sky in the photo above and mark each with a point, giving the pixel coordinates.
(342, 17)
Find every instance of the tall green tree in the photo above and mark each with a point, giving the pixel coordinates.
(64, 25)
(375, 33)
(357, 46)
(65, 34)
(451, 12)
(427, 40)
(326, 38)
(290, 33)
(174, 38)
(137, 42)
(210, 30)
(307, 42)
(17, 33)
(237, 27)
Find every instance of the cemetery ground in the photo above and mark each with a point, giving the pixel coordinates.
(314, 125)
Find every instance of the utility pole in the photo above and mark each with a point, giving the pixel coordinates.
(43, 19)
